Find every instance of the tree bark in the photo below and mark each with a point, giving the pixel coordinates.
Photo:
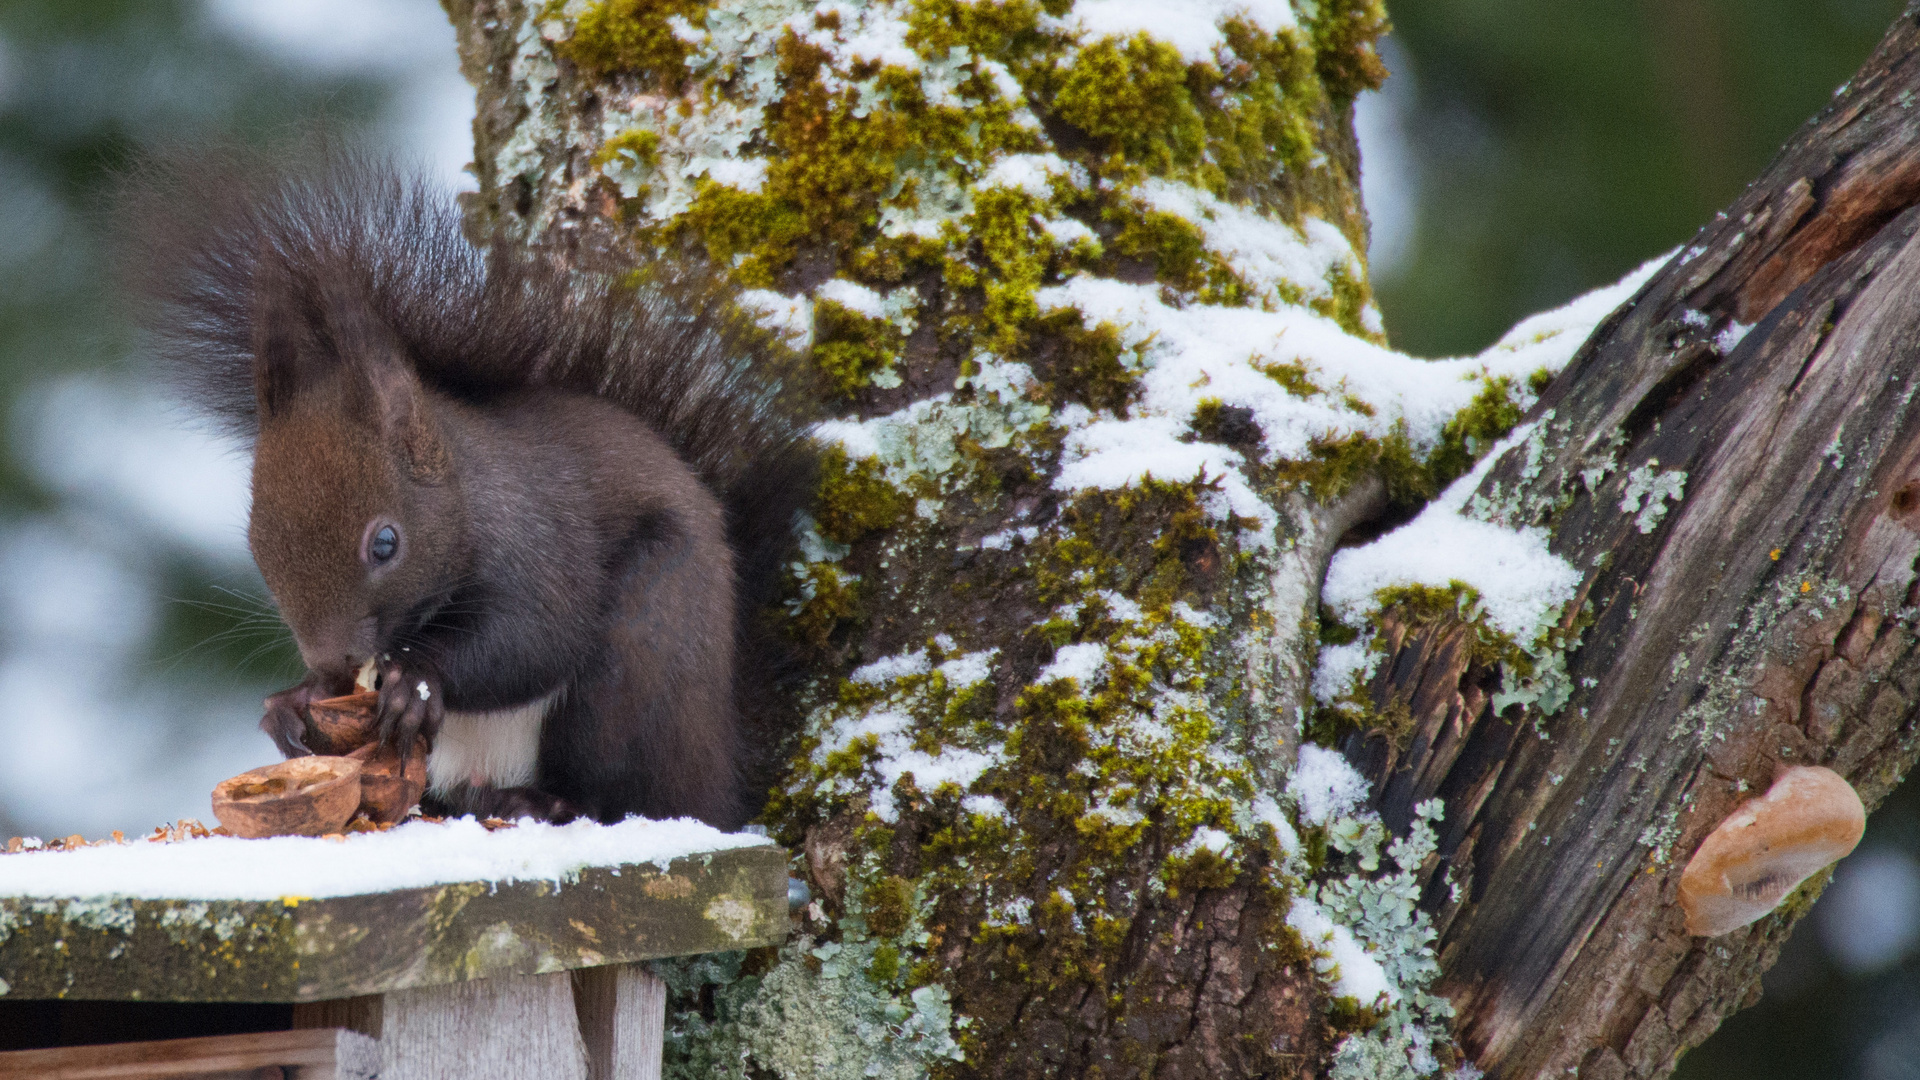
(1042, 785)
(1767, 620)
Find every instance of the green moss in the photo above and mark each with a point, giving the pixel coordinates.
(1176, 250)
(1334, 632)
(888, 905)
(828, 170)
(1414, 608)
(1132, 99)
(833, 165)
(1421, 606)
(1163, 520)
(640, 146)
(1008, 33)
(1290, 374)
(1266, 104)
(853, 350)
(1487, 418)
(838, 160)
(825, 597)
(1344, 33)
(855, 499)
(1333, 466)
(1213, 422)
(1532, 673)
(631, 35)
(752, 232)
(1347, 304)
(1346, 1015)
(1148, 112)
(1016, 257)
(885, 967)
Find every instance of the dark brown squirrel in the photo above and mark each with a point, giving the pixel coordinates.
(547, 503)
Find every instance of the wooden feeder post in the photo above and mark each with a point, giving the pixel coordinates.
(466, 981)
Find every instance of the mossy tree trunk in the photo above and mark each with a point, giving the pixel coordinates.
(1110, 391)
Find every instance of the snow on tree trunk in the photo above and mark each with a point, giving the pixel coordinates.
(1085, 282)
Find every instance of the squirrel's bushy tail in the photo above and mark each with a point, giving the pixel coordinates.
(661, 340)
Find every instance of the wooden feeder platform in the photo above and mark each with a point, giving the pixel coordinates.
(472, 980)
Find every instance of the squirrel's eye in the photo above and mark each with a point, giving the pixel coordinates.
(384, 544)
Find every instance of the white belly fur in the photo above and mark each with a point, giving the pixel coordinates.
(495, 749)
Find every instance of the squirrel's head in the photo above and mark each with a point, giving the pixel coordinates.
(357, 521)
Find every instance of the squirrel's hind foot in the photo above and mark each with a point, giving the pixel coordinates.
(508, 804)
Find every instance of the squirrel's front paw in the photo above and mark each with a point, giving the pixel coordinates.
(411, 706)
(285, 721)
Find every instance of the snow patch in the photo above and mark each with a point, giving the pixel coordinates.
(1519, 580)
(888, 668)
(986, 806)
(967, 670)
(1005, 538)
(415, 855)
(1202, 351)
(1206, 838)
(1338, 956)
(891, 732)
(1034, 174)
(1264, 251)
(1324, 786)
(791, 317)
(1192, 27)
(1266, 811)
(1338, 665)
(1729, 338)
(1080, 662)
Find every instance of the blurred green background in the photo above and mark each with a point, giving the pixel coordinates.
(1555, 144)
(1524, 152)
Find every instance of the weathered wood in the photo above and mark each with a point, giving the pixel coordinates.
(329, 1054)
(620, 1011)
(623, 1021)
(1766, 620)
(313, 950)
(361, 1014)
(486, 1029)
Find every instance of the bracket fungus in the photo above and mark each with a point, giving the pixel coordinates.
(1809, 819)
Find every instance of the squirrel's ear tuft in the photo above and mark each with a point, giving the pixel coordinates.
(285, 357)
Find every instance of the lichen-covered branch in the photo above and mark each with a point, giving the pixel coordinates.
(1724, 484)
(1084, 283)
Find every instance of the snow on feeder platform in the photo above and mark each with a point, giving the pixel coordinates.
(442, 949)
